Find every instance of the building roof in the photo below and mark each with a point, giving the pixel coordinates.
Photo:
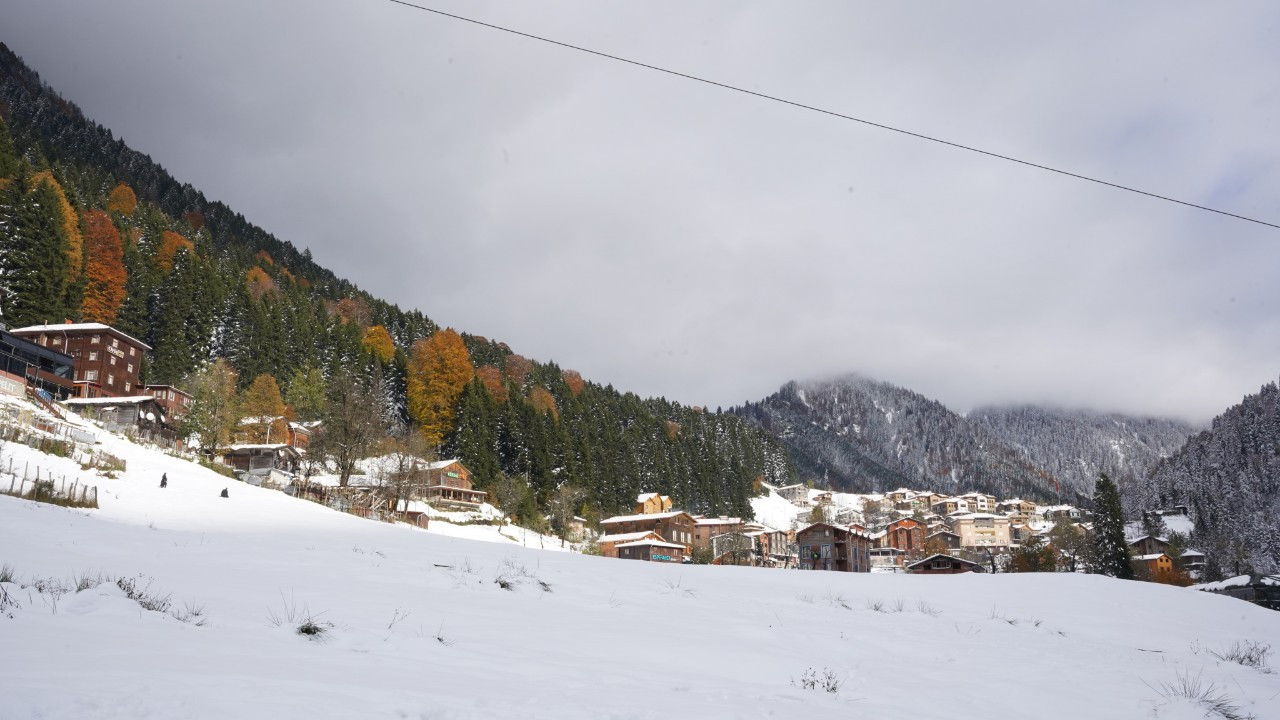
(977, 516)
(170, 387)
(439, 464)
(645, 496)
(718, 521)
(263, 446)
(935, 533)
(1152, 556)
(81, 327)
(944, 555)
(643, 516)
(129, 400)
(625, 537)
(653, 543)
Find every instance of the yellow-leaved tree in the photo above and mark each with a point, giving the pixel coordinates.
(378, 343)
(122, 200)
(439, 370)
(104, 270)
(264, 411)
(170, 243)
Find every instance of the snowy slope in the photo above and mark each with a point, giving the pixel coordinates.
(604, 639)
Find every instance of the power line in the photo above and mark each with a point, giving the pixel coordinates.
(832, 113)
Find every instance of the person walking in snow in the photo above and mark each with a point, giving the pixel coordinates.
(224, 493)
(164, 480)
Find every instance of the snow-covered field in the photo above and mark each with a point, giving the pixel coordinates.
(417, 626)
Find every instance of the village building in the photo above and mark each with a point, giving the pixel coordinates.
(140, 417)
(942, 540)
(175, 402)
(649, 503)
(704, 529)
(1154, 563)
(824, 546)
(263, 464)
(906, 534)
(26, 366)
(797, 494)
(980, 502)
(1148, 545)
(107, 361)
(982, 531)
(673, 526)
(1016, 508)
(608, 544)
(950, 506)
(651, 550)
(449, 484)
(1054, 513)
(943, 565)
(887, 559)
(299, 434)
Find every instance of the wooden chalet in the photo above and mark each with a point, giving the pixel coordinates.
(704, 529)
(1149, 545)
(842, 548)
(275, 463)
(1154, 563)
(648, 503)
(175, 401)
(608, 544)
(942, 539)
(651, 550)
(140, 416)
(940, 564)
(449, 484)
(108, 362)
(673, 526)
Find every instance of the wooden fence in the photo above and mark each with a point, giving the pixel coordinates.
(56, 491)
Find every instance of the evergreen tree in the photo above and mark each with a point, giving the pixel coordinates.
(8, 158)
(305, 393)
(1110, 551)
(33, 258)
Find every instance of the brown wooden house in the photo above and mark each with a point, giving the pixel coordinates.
(704, 529)
(647, 503)
(175, 401)
(139, 417)
(943, 565)
(651, 550)
(449, 483)
(825, 546)
(608, 544)
(673, 526)
(107, 361)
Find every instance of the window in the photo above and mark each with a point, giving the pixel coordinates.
(95, 339)
(91, 375)
(130, 367)
(93, 355)
(57, 341)
(111, 379)
(127, 386)
(113, 359)
(115, 342)
(132, 351)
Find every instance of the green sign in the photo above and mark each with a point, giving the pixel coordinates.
(452, 474)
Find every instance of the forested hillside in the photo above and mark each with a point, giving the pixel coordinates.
(1229, 478)
(96, 231)
(1076, 445)
(861, 435)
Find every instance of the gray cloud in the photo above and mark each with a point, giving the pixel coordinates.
(679, 240)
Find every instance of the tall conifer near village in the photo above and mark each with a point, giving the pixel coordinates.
(8, 157)
(33, 256)
(1110, 551)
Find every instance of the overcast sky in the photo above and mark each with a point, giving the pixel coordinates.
(676, 239)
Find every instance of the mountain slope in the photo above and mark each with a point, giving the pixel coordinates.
(413, 625)
(1075, 445)
(203, 282)
(1229, 478)
(862, 435)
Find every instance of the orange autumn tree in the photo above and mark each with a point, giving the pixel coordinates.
(439, 370)
(170, 243)
(259, 282)
(105, 274)
(378, 343)
(573, 379)
(544, 402)
(70, 224)
(518, 368)
(122, 200)
(491, 378)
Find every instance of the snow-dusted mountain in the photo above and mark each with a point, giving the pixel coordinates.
(862, 435)
(1075, 445)
(1229, 478)
(177, 603)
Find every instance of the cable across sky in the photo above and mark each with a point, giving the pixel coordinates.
(832, 113)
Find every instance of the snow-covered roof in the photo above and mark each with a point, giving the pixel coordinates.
(625, 537)
(261, 446)
(438, 464)
(1192, 553)
(1152, 556)
(642, 516)
(977, 516)
(80, 327)
(261, 420)
(127, 400)
(943, 555)
(653, 543)
(642, 497)
(718, 521)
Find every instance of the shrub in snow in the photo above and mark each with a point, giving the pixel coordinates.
(143, 594)
(1204, 695)
(1248, 653)
(825, 681)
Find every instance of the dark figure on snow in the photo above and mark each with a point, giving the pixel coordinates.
(224, 493)
(164, 480)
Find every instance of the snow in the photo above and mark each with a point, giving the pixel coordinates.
(129, 400)
(78, 327)
(648, 516)
(420, 628)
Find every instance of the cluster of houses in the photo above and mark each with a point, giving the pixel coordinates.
(657, 532)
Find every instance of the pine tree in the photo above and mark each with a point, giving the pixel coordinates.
(305, 393)
(1110, 551)
(8, 157)
(33, 258)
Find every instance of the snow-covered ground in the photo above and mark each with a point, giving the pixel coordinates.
(421, 627)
